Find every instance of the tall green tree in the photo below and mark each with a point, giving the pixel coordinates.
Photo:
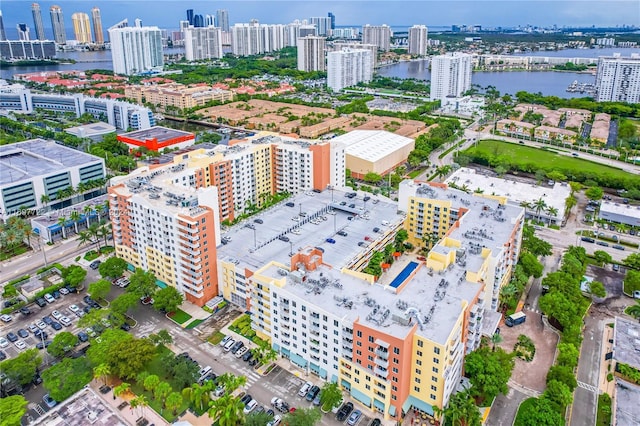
(128, 358)
(541, 413)
(101, 371)
(558, 393)
(173, 402)
(228, 410)
(257, 419)
(142, 283)
(62, 343)
(151, 382)
(303, 417)
(594, 193)
(99, 289)
(167, 299)
(99, 351)
(162, 391)
(330, 396)
(74, 275)
(23, 367)
(199, 395)
(489, 371)
(12, 409)
(113, 267)
(67, 377)
(462, 410)
(531, 265)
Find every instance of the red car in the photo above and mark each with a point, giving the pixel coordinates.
(422, 258)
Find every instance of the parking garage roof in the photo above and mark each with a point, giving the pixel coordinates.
(38, 157)
(626, 342)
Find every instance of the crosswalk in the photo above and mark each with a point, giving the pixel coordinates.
(588, 387)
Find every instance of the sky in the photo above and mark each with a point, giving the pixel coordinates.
(505, 13)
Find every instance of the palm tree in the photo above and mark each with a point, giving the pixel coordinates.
(104, 231)
(462, 410)
(84, 237)
(228, 410)
(140, 401)
(151, 382)
(199, 395)
(551, 212)
(87, 212)
(162, 391)
(62, 221)
(75, 217)
(44, 199)
(174, 401)
(102, 371)
(496, 339)
(539, 205)
(122, 389)
(430, 240)
(634, 310)
(231, 382)
(526, 206)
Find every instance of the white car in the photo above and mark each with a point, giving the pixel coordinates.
(225, 340)
(6, 318)
(74, 308)
(241, 351)
(20, 344)
(304, 389)
(49, 298)
(275, 421)
(3, 342)
(65, 321)
(251, 405)
(41, 325)
(64, 291)
(56, 314)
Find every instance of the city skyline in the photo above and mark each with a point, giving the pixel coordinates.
(350, 13)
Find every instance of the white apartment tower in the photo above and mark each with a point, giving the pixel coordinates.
(222, 19)
(311, 53)
(450, 75)
(323, 25)
(202, 43)
(378, 35)
(136, 49)
(246, 39)
(348, 67)
(418, 40)
(618, 79)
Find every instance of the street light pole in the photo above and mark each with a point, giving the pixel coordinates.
(42, 248)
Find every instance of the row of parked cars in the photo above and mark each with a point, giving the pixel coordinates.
(239, 349)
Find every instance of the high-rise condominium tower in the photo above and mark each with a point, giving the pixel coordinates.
(222, 19)
(57, 23)
(348, 67)
(450, 75)
(618, 79)
(311, 53)
(418, 40)
(97, 25)
(37, 21)
(81, 27)
(378, 35)
(136, 49)
(23, 32)
(323, 25)
(202, 43)
(3, 34)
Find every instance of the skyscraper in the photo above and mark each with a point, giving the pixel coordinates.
(311, 53)
(57, 23)
(37, 21)
(348, 67)
(618, 79)
(418, 40)
(3, 34)
(209, 20)
(136, 49)
(323, 25)
(190, 16)
(202, 43)
(97, 25)
(198, 21)
(450, 75)
(23, 32)
(378, 35)
(332, 17)
(81, 27)
(222, 19)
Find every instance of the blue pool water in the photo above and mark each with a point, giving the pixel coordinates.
(399, 279)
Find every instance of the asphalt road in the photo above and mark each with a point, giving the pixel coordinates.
(585, 399)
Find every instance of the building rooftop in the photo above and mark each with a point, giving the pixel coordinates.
(431, 299)
(254, 244)
(162, 134)
(89, 130)
(83, 408)
(627, 410)
(626, 343)
(372, 145)
(516, 192)
(620, 209)
(38, 157)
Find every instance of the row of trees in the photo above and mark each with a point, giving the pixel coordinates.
(14, 232)
(374, 267)
(445, 132)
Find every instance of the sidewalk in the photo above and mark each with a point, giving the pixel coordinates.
(127, 413)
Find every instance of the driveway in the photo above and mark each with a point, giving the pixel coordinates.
(531, 375)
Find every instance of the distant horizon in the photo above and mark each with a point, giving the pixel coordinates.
(432, 13)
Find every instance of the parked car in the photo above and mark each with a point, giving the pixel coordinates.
(245, 399)
(56, 314)
(3, 356)
(49, 298)
(12, 337)
(56, 325)
(41, 302)
(313, 392)
(95, 264)
(354, 417)
(25, 311)
(49, 401)
(236, 347)
(275, 421)
(241, 352)
(229, 345)
(224, 341)
(375, 422)
(64, 291)
(83, 337)
(74, 308)
(344, 412)
(23, 333)
(43, 344)
(251, 405)
(41, 325)
(6, 318)
(304, 389)
(20, 344)
(247, 356)
(3, 342)
(65, 321)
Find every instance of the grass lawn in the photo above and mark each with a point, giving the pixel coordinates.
(91, 255)
(414, 174)
(180, 316)
(527, 403)
(521, 155)
(194, 324)
(604, 410)
(216, 337)
(14, 252)
(156, 367)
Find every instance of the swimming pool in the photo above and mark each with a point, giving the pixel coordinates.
(404, 274)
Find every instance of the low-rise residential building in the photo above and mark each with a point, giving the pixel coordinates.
(600, 128)
(177, 95)
(375, 151)
(619, 213)
(34, 175)
(518, 129)
(547, 133)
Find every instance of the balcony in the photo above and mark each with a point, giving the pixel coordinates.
(347, 339)
(382, 363)
(315, 350)
(382, 354)
(382, 372)
(314, 342)
(347, 348)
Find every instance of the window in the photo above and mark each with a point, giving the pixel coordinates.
(434, 379)
(418, 362)
(395, 360)
(434, 388)
(418, 371)
(433, 396)
(371, 339)
(420, 343)
(416, 388)
(359, 333)
(436, 361)
(435, 369)
(395, 370)
(436, 351)
(396, 351)
(417, 380)
(419, 353)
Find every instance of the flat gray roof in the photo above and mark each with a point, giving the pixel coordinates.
(622, 209)
(160, 133)
(256, 247)
(83, 408)
(38, 157)
(438, 305)
(627, 409)
(626, 342)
